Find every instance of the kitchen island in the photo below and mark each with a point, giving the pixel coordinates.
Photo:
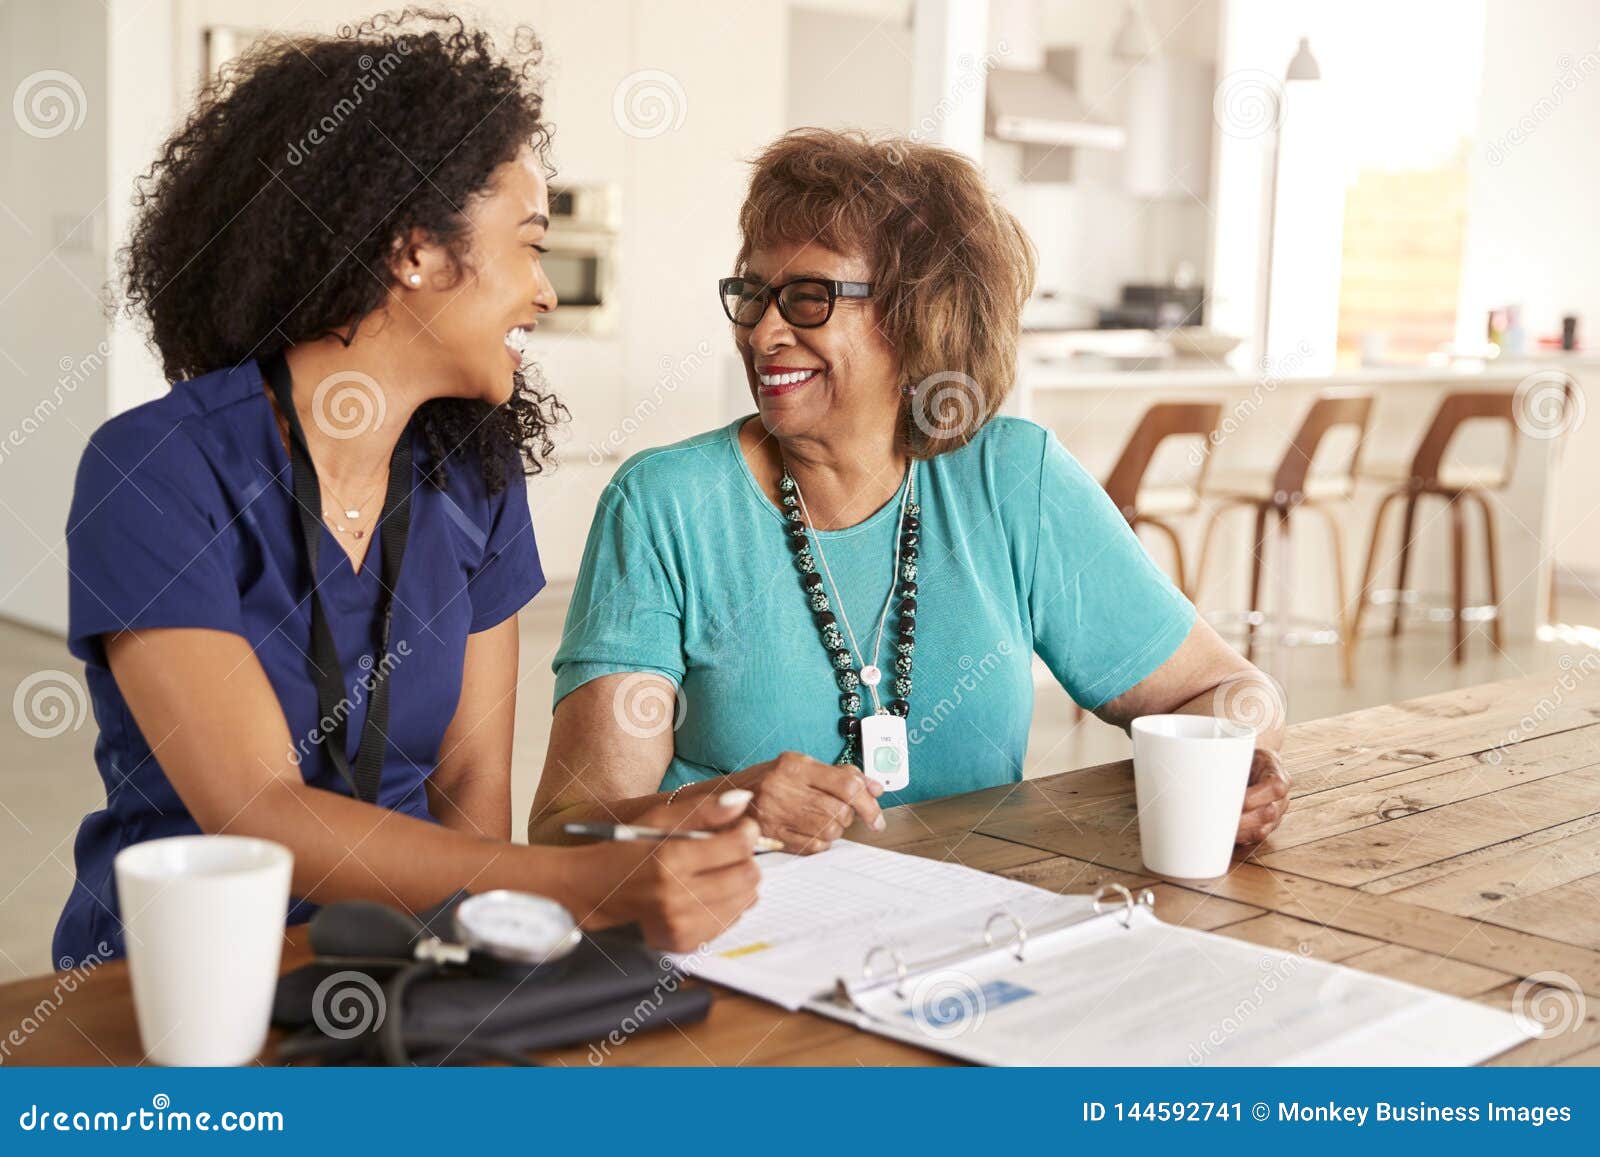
(1541, 515)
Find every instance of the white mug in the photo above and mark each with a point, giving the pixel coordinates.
(1190, 773)
(203, 920)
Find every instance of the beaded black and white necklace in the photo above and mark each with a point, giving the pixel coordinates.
(885, 728)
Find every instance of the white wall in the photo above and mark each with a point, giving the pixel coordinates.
(141, 64)
(1531, 230)
(664, 375)
(1532, 235)
(667, 373)
(1093, 235)
(53, 332)
(849, 69)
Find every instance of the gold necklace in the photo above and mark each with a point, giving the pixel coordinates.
(351, 512)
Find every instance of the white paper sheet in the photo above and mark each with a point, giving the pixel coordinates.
(818, 916)
(1098, 993)
(1158, 994)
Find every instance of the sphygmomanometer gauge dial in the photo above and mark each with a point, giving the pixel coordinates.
(516, 926)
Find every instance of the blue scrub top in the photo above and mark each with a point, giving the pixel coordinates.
(183, 516)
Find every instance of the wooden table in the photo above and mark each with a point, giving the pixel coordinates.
(1417, 848)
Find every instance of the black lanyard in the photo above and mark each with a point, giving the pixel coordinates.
(395, 522)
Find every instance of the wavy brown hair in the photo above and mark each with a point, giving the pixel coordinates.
(950, 266)
(269, 218)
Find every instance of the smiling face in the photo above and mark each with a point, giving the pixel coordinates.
(818, 383)
(472, 324)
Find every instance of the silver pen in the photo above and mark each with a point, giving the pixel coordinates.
(625, 832)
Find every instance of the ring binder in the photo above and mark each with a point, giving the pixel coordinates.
(1022, 932)
(844, 935)
(1147, 899)
(899, 966)
(846, 990)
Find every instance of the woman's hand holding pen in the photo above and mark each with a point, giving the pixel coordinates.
(682, 892)
(808, 804)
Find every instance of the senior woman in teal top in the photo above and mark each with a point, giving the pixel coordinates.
(873, 541)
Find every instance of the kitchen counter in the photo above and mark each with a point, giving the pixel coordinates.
(1094, 413)
(1060, 374)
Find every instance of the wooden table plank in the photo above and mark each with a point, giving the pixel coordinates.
(1476, 881)
(1406, 854)
(1305, 937)
(738, 1031)
(953, 815)
(1413, 790)
(1068, 875)
(94, 1023)
(1086, 787)
(1190, 909)
(985, 853)
(1574, 1027)
(864, 1049)
(1395, 922)
(1110, 839)
(1355, 747)
(1570, 912)
(1427, 970)
(1411, 841)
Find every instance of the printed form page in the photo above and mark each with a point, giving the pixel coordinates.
(1153, 993)
(819, 916)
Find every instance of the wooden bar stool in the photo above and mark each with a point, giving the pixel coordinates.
(1292, 486)
(1457, 485)
(1145, 505)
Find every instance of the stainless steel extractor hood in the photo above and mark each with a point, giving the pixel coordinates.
(1042, 107)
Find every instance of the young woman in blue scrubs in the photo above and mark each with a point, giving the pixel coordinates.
(295, 577)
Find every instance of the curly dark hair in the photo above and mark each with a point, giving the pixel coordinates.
(303, 166)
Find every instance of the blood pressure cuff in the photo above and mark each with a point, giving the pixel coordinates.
(608, 989)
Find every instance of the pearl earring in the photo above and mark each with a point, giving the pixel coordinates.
(415, 279)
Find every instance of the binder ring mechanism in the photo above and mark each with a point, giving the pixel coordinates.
(899, 962)
(1019, 932)
(900, 971)
(1019, 935)
(1145, 899)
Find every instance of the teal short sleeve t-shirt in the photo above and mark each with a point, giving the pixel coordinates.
(687, 574)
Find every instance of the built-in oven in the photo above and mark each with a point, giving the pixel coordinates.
(585, 223)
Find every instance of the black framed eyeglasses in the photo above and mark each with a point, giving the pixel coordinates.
(805, 302)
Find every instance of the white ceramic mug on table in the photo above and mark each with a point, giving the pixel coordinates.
(203, 920)
(1190, 773)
